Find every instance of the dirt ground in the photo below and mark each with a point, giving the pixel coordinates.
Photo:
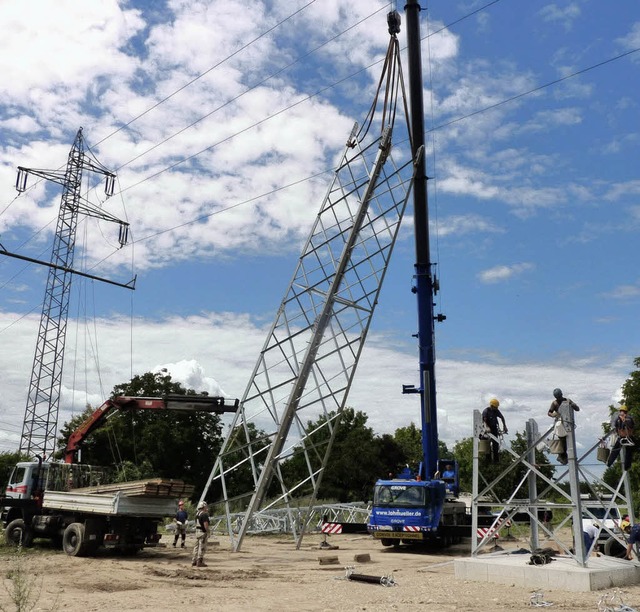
(267, 574)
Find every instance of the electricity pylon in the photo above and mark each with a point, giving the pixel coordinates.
(41, 414)
(272, 458)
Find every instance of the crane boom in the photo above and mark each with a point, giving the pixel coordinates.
(187, 403)
(425, 284)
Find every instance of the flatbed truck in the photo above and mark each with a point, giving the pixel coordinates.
(47, 500)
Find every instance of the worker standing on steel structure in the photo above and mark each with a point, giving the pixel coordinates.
(625, 429)
(560, 410)
(490, 417)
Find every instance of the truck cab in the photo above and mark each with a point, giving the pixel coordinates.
(26, 477)
(408, 510)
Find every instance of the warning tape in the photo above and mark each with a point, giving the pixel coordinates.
(492, 532)
(482, 532)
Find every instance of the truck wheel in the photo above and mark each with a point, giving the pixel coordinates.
(613, 548)
(73, 540)
(18, 534)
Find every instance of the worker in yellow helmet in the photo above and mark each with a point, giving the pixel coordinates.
(490, 416)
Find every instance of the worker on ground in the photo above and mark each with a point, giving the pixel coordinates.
(490, 417)
(180, 519)
(202, 535)
(624, 429)
(634, 537)
(560, 410)
(590, 534)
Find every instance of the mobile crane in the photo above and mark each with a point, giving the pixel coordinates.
(419, 505)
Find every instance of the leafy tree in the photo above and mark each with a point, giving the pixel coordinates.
(7, 463)
(410, 441)
(358, 458)
(152, 443)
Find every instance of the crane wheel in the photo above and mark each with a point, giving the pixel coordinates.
(73, 540)
(18, 534)
(613, 548)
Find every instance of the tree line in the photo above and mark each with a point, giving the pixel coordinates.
(173, 444)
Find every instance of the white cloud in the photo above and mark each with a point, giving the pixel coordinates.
(632, 39)
(190, 374)
(565, 15)
(217, 351)
(459, 225)
(624, 292)
(502, 273)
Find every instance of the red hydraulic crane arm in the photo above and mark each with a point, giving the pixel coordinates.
(187, 403)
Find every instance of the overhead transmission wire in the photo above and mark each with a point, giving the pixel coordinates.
(246, 45)
(235, 98)
(297, 103)
(253, 87)
(248, 90)
(284, 68)
(428, 131)
(148, 110)
(432, 129)
(155, 106)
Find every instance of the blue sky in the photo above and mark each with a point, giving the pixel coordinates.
(533, 134)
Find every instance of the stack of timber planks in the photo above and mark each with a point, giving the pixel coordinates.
(154, 487)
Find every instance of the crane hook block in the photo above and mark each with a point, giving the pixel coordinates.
(393, 21)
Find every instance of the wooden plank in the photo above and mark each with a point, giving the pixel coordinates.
(155, 487)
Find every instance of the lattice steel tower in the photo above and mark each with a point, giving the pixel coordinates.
(306, 367)
(41, 415)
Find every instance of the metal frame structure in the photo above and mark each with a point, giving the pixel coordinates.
(306, 367)
(528, 499)
(43, 399)
(291, 520)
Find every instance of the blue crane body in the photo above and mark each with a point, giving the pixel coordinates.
(420, 505)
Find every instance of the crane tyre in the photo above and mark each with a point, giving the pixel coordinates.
(73, 540)
(18, 534)
(613, 548)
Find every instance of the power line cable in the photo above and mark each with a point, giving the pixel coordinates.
(534, 90)
(297, 60)
(432, 129)
(249, 89)
(297, 103)
(266, 79)
(441, 126)
(428, 131)
(207, 71)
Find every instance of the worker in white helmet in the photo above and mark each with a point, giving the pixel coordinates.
(202, 535)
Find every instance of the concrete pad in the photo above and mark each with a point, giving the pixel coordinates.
(562, 574)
